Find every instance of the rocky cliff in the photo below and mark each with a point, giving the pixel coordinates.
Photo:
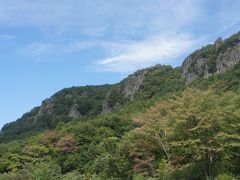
(212, 59)
(132, 83)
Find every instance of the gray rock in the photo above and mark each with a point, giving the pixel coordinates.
(224, 61)
(132, 84)
(46, 108)
(74, 112)
(228, 59)
(199, 63)
(105, 107)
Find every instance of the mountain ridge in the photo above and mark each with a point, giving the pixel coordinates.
(151, 125)
(87, 101)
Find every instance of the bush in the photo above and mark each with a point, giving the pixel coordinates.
(225, 177)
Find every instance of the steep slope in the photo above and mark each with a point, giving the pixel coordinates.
(212, 59)
(67, 104)
(79, 102)
(89, 101)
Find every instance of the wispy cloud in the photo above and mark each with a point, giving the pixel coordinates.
(124, 30)
(132, 34)
(134, 55)
(122, 55)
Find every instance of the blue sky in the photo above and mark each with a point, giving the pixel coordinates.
(47, 45)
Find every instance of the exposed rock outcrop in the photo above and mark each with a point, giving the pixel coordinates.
(124, 91)
(212, 59)
(46, 108)
(228, 59)
(74, 112)
(105, 107)
(132, 84)
(191, 68)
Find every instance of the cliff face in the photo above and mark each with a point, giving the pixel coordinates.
(132, 84)
(212, 59)
(123, 91)
(228, 59)
(199, 66)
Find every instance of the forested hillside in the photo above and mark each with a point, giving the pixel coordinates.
(89, 101)
(158, 123)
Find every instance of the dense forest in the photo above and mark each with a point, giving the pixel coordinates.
(157, 128)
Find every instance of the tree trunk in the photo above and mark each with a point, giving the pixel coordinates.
(211, 177)
(161, 144)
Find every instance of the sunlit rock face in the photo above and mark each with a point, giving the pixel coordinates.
(216, 58)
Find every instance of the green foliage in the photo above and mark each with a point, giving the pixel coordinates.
(116, 96)
(4, 165)
(35, 151)
(197, 130)
(111, 163)
(227, 81)
(56, 109)
(225, 177)
(43, 171)
(39, 171)
(161, 81)
(168, 131)
(229, 42)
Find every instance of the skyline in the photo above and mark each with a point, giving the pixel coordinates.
(50, 45)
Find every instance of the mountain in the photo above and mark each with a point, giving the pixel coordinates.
(158, 123)
(81, 102)
(88, 101)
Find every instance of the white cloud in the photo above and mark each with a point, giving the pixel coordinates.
(133, 34)
(134, 55)
(123, 29)
(122, 55)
